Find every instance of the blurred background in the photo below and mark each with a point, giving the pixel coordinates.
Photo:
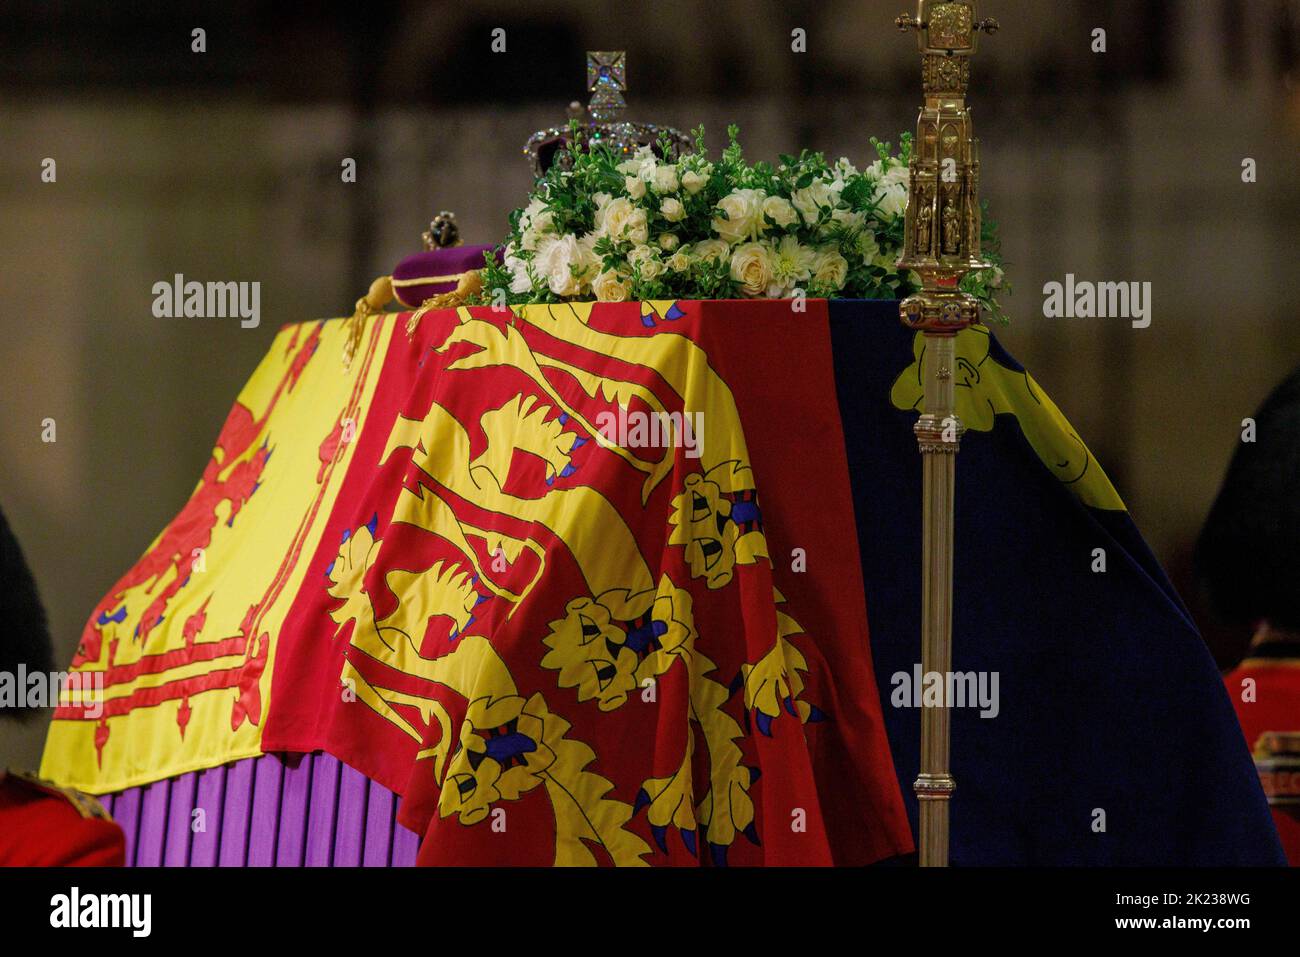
(225, 165)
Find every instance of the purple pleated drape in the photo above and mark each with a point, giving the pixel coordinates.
(273, 811)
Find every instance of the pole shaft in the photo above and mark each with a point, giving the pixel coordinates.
(938, 434)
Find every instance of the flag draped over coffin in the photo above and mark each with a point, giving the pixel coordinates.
(562, 645)
(445, 569)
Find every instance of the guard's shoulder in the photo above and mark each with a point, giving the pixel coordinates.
(84, 804)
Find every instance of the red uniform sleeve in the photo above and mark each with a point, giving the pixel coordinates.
(39, 829)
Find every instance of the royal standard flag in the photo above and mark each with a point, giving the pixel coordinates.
(516, 566)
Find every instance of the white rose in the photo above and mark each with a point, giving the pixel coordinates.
(639, 254)
(566, 264)
(668, 242)
(637, 228)
(647, 261)
(609, 286)
(830, 269)
(679, 261)
(672, 210)
(635, 186)
(780, 211)
(742, 217)
(610, 213)
(751, 266)
(711, 249)
(620, 220)
(664, 179)
(813, 198)
(693, 182)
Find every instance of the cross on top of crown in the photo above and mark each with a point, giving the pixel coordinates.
(606, 79)
(606, 68)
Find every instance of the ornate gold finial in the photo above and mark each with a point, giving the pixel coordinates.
(942, 232)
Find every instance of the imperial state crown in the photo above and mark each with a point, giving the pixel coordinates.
(601, 121)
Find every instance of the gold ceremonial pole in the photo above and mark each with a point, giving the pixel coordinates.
(941, 244)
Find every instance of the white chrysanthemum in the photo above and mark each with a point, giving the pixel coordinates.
(791, 264)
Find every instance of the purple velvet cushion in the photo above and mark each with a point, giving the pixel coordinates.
(428, 274)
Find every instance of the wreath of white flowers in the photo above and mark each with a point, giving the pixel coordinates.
(615, 229)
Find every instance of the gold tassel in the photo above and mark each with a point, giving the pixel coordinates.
(371, 304)
(470, 283)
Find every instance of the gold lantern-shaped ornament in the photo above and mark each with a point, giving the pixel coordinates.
(942, 233)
